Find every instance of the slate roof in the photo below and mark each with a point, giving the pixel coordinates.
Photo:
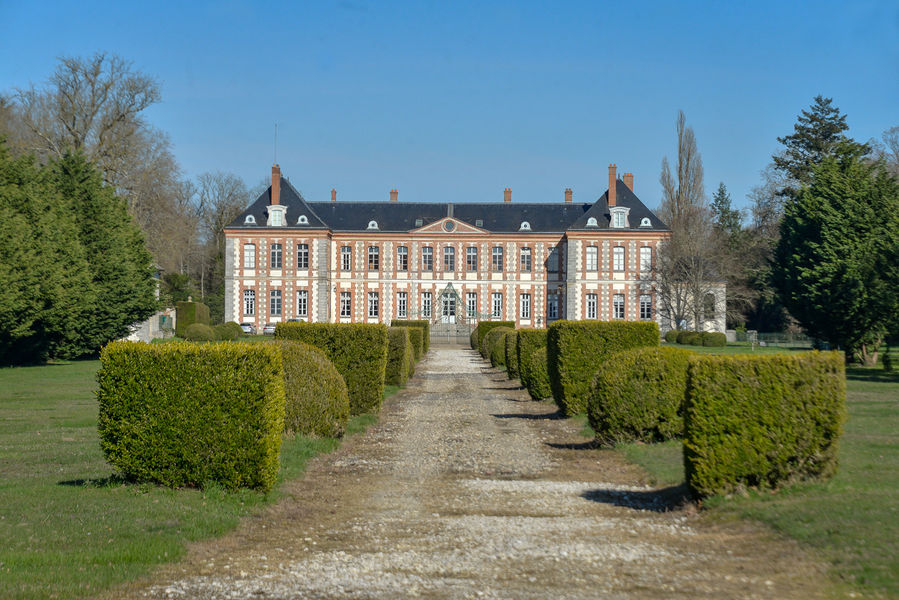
(495, 217)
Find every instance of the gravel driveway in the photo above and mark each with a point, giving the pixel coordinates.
(467, 489)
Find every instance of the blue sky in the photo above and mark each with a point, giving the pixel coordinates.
(454, 101)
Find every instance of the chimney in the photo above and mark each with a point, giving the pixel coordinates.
(568, 195)
(612, 180)
(629, 181)
(333, 195)
(276, 184)
(394, 196)
(507, 195)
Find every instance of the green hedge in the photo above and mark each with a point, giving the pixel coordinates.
(197, 332)
(762, 421)
(681, 337)
(473, 338)
(512, 354)
(671, 336)
(528, 339)
(188, 313)
(714, 339)
(496, 345)
(577, 348)
(484, 328)
(399, 355)
(228, 332)
(317, 402)
(358, 350)
(638, 396)
(535, 360)
(416, 337)
(185, 414)
(425, 327)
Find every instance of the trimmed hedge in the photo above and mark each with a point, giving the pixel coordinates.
(577, 348)
(317, 402)
(484, 328)
(496, 345)
(638, 396)
(512, 354)
(425, 327)
(762, 421)
(228, 332)
(682, 336)
(714, 339)
(184, 414)
(528, 340)
(358, 351)
(416, 338)
(671, 336)
(473, 338)
(399, 355)
(198, 332)
(538, 378)
(188, 313)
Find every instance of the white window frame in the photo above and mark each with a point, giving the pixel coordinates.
(645, 307)
(276, 304)
(346, 304)
(471, 303)
(525, 306)
(427, 304)
(276, 256)
(302, 303)
(496, 259)
(524, 259)
(402, 305)
(427, 258)
(592, 305)
(249, 302)
(552, 307)
(449, 259)
(618, 258)
(302, 257)
(645, 259)
(497, 305)
(374, 308)
(591, 258)
(402, 258)
(374, 258)
(346, 258)
(618, 307)
(249, 256)
(471, 258)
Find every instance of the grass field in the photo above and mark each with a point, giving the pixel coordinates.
(68, 526)
(851, 520)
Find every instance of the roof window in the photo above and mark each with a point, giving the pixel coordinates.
(645, 222)
(419, 222)
(591, 222)
(619, 216)
(525, 226)
(250, 220)
(303, 220)
(479, 222)
(372, 224)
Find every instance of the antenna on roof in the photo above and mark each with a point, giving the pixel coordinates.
(276, 144)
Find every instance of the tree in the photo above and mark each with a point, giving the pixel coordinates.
(836, 265)
(727, 219)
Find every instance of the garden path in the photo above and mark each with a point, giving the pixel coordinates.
(468, 489)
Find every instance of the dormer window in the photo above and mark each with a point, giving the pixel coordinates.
(525, 226)
(619, 216)
(645, 222)
(419, 222)
(303, 220)
(372, 225)
(277, 216)
(479, 222)
(591, 222)
(250, 220)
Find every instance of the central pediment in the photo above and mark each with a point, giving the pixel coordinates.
(449, 225)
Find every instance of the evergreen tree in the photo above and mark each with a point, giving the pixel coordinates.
(727, 219)
(121, 268)
(836, 265)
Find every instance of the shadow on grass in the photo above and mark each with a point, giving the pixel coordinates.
(662, 500)
(588, 445)
(871, 374)
(98, 482)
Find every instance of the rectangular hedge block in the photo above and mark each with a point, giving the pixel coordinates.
(762, 421)
(185, 414)
(527, 341)
(425, 330)
(484, 328)
(399, 356)
(358, 350)
(188, 313)
(416, 338)
(512, 354)
(576, 349)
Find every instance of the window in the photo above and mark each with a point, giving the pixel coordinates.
(302, 257)
(346, 258)
(275, 262)
(426, 300)
(471, 304)
(471, 258)
(645, 222)
(525, 226)
(449, 258)
(497, 305)
(249, 220)
(618, 258)
(592, 258)
(645, 306)
(552, 262)
(345, 304)
(402, 300)
(591, 306)
(618, 220)
(418, 222)
(249, 256)
(374, 258)
(479, 222)
(525, 306)
(372, 224)
(427, 259)
(372, 304)
(645, 259)
(277, 219)
(525, 260)
(552, 307)
(249, 302)
(303, 220)
(708, 307)
(275, 303)
(617, 306)
(498, 259)
(302, 303)
(591, 222)
(402, 258)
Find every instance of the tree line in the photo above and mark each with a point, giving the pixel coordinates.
(819, 250)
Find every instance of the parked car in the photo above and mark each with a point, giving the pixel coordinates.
(248, 328)
(269, 329)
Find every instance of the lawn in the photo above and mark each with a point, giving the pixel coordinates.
(68, 526)
(851, 520)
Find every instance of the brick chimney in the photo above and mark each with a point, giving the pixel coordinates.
(507, 195)
(394, 196)
(612, 180)
(568, 195)
(333, 195)
(629, 181)
(276, 184)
